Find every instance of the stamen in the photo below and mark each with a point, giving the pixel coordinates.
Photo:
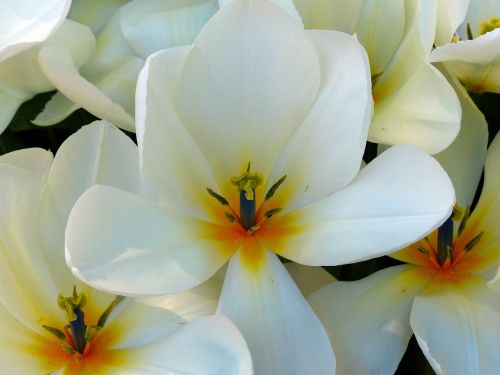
(424, 251)
(230, 217)
(458, 213)
(55, 331)
(473, 242)
(469, 32)
(105, 315)
(445, 241)
(490, 25)
(461, 227)
(219, 197)
(274, 187)
(271, 212)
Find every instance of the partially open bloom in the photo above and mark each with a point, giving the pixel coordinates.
(441, 294)
(53, 323)
(20, 75)
(468, 42)
(105, 86)
(250, 146)
(414, 104)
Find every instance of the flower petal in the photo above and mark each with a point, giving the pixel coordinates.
(174, 171)
(250, 90)
(209, 346)
(333, 135)
(28, 23)
(100, 154)
(23, 349)
(8, 107)
(59, 68)
(368, 321)
(463, 160)
(450, 15)
(27, 289)
(424, 111)
(144, 250)
(308, 278)
(283, 333)
(397, 198)
(94, 16)
(174, 23)
(458, 327)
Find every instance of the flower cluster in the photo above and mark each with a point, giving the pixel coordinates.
(238, 187)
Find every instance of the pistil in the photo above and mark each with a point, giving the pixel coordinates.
(445, 241)
(72, 306)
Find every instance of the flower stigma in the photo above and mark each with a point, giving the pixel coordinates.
(76, 336)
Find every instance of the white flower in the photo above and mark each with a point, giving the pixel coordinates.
(105, 86)
(51, 322)
(21, 77)
(441, 294)
(468, 41)
(414, 104)
(250, 141)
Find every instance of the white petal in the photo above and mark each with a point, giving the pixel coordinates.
(120, 242)
(397, 198)
(208, 346)
(242, 92)
(96, 154)
(20, 347)
(330, 14)
(368, 321)
(34, 160)
(479, 12)
(308, 278)
(94, 16)
(174, 23)
(463, 160)
(21, 76)
(59, 68)
(334, 132)
(451, 13)
(458, 327)
(8, 107)
(283, 333)
(424, 111)
(174, 171)
(27, 23)
(27, 289)
(481, 50)
(56, 109)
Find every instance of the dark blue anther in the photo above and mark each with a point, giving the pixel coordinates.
(79, 330)
(247, 211)
(445, 240)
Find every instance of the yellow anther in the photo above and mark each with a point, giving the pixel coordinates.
(247, 182)
(490, 25)
(458, 213)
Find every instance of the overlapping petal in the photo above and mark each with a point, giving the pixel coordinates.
(373, 215)
(210, 345)
(458, 327)
(250, 91)
(61, 71)
(97, 154)
(368, 321)
(145, 249)
(28, 23)
(333, 134)
(283, 333)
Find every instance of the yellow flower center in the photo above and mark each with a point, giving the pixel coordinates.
(79, 347)
(439, 256)
(250, 222)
